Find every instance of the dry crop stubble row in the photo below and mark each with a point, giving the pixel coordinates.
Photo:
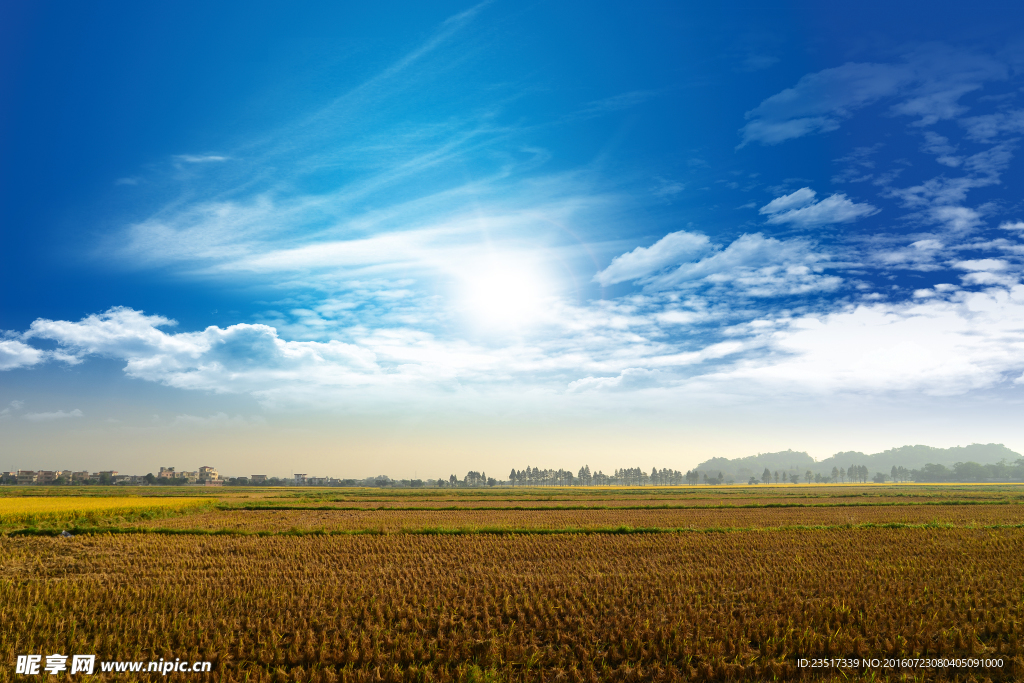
(406, 520)
(617, 503)
(645, 496)
(741, 606)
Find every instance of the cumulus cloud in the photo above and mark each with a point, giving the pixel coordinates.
(50, 417)
(928, 84)
(238, 358)
(800, 209)
(982, 264)
(940, 346)
(16, 354)
(671, 249)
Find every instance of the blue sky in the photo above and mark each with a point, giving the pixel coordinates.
(424, 237)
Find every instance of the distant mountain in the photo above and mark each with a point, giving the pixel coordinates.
(742, 469)
(915, 457)
(790, 462)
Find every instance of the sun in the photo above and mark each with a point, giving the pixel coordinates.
(504, 293)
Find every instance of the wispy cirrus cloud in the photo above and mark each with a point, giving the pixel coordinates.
(199, 158)
(53, 416)
(927, 84)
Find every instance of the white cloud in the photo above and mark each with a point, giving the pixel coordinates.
(929, 84)
(947, 341)
(989, 264)
(938, 201)
(14, 407)
(16, 354)
(671, 249)
(1015, 226)
(923, 255)
(240, 358)
(989, 126)
(50, 417)
(955, 218)
(788, 202)
(819, 101)
(759, 266)
(939, 146)
(800, 209)
(939, 346)
(630, 379)
(200, 158)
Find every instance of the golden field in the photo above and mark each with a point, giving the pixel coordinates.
(599, 607)
(392, 521)
(51, 509)
(680, 584)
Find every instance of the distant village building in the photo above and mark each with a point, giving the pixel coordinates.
(204, 475)
(300, 479)
(26, 477)
(257, 479)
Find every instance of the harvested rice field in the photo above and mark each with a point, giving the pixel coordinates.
(470, 519)
(883, 586)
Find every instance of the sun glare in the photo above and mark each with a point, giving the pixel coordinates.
(503, 294)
